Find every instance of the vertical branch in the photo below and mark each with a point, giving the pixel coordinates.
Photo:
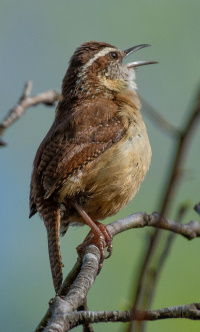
(153, 274)
(169, 193)
(158, 120)
(179, 159)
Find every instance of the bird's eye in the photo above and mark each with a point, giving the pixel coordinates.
(113, 55)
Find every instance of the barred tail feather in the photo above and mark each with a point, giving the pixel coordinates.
(52, 223)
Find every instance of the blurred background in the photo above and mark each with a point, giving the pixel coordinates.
(37, 40)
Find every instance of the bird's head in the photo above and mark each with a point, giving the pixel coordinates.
(97, 68)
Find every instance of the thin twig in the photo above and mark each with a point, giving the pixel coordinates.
(156, 270)
(47, 98)
(189, 311)
(158, 120)
(166, 250)
(180, 156)
(141, 219)
(181, 150)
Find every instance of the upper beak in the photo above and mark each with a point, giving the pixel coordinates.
(137, 63)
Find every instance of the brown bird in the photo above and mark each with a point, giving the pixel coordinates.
(96, 154)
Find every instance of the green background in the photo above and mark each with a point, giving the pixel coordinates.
(37, 39)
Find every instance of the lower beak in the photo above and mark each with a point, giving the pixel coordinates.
(140, 63)
(137, 63)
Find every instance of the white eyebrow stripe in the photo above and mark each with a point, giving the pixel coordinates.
(103, 52)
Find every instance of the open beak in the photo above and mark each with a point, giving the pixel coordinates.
(137, 63)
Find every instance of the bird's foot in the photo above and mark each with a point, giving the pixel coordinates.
(108, 237)
(102, 238)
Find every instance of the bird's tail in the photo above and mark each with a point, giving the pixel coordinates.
(52, 223)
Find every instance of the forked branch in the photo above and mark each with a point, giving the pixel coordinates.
(48, 98)
(61, 309)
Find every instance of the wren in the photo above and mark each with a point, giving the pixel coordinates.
(96, 154)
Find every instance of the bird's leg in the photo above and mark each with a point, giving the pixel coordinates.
(98, 235)
(95, 235)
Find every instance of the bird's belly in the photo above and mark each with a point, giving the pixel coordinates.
(107, 184)
(117, 177)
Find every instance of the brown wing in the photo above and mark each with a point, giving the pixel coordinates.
(73, 144)
(78, 152)
(51, 146)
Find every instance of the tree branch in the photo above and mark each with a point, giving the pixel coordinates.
(167, 198)
(189, 311)
(75, 297)
(154, 272)
(141, 219)
(62, 292)
(61, 307)
(47, 98)
(87, 326)
(159, 120)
